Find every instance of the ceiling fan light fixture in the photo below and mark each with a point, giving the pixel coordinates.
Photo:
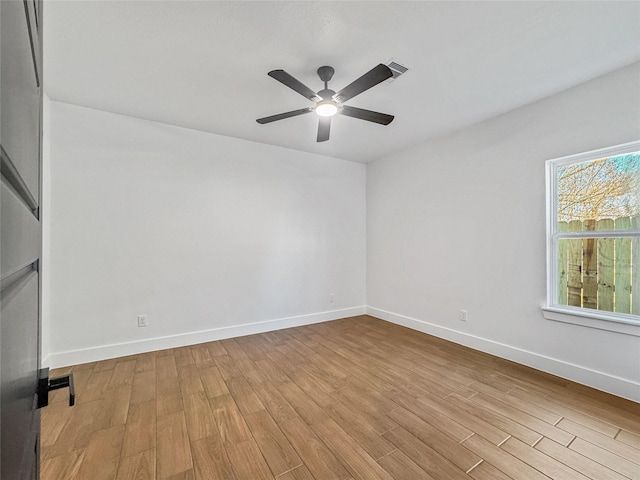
(326, 108)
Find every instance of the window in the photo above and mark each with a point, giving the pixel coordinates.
(593, 235)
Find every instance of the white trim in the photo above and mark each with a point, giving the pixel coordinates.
(103, 352)
(552, 208)
(598, 234)
(620, 323)
(593, 378)
(602, 381)
(606, 152)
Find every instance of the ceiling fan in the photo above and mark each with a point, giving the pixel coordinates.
(330, 103)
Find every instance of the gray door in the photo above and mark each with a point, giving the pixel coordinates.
(20, 235)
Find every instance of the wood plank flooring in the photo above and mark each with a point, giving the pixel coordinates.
(357, 398)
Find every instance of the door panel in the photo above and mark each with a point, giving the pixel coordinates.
(21, 242)
(20, 236)
(19, 318)
(20, 113)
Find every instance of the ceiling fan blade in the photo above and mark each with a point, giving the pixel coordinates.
(294, 84)
(368, 115)
(282, 116)
(365, 82)
(324, 125)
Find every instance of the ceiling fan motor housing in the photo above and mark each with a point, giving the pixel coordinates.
(326, 94)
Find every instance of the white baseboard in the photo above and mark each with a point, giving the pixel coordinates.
(103, 352)
(602, 381)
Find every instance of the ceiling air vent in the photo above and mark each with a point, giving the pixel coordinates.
(397, 69)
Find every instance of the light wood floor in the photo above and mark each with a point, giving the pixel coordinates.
(357, 398)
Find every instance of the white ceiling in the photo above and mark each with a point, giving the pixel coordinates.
(203, 65)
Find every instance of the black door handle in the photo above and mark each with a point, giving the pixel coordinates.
(46, 384)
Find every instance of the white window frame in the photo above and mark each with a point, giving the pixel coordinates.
(616, 322)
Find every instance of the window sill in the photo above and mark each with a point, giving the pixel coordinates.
(594, 319)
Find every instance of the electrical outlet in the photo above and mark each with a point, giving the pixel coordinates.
(463, 315)
(142, 320)
(331, 298)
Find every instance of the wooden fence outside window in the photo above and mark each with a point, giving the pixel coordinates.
(597, 273)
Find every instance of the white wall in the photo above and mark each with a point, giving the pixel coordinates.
(205, 234)
(459, 223)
